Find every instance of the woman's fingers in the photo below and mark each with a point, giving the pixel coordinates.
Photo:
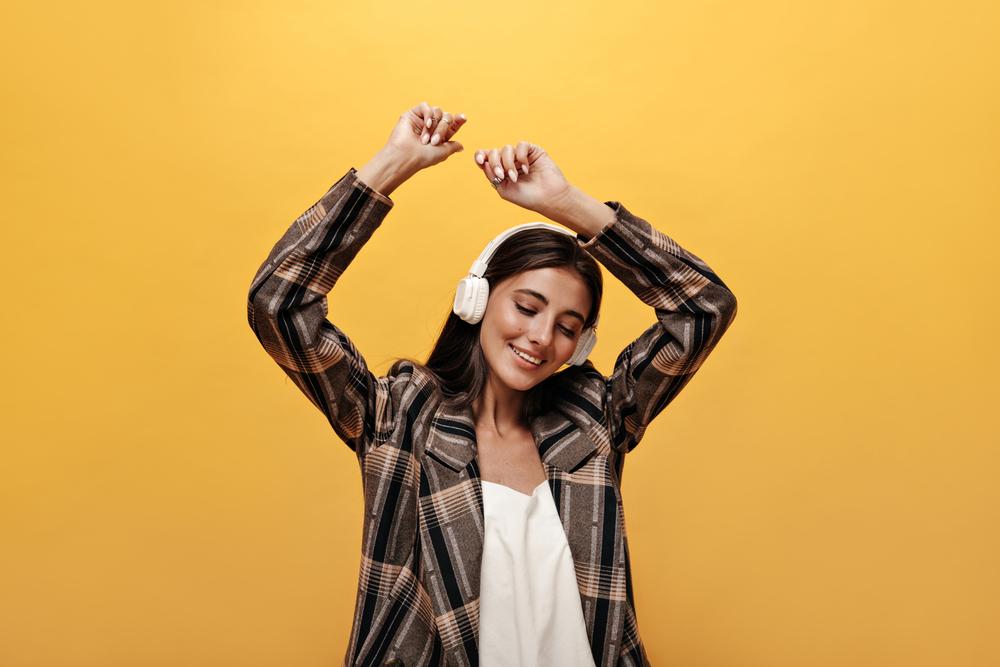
(490, 167)
(424, 112)
(456, 124)
(431, 122)
(433, 116)
(447, 128)
(440, 129)
(496, 163)
(508, 162)
(507, 158)
(505, 162)
(521, 155)
(438, 126)
(487, 168)
(482, 157)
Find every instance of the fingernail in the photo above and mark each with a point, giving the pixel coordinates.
(479, 158)
(524, 168)
(498, 171)
(513, 174)
(462, 116)
(423, 138)
(427, 122)
(435, 139)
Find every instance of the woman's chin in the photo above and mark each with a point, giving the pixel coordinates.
(524, 380)
(517, 380)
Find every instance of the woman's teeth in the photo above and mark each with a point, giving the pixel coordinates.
(526, 357)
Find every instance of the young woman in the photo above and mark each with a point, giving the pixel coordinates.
(494, 531)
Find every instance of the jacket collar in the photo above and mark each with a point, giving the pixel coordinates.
(563, 441)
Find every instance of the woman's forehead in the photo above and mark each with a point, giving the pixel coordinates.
(558, 286)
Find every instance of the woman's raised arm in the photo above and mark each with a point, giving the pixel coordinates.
(693, 306)
(287, 301)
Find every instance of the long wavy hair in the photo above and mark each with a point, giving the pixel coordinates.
(457, 365)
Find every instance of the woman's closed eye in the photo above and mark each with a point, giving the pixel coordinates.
(566, 330)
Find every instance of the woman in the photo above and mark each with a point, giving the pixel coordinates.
(472, 461)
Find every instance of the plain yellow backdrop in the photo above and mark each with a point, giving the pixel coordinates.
(823, 493)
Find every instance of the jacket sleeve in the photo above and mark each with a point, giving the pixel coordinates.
(693, 309)
(287, 307)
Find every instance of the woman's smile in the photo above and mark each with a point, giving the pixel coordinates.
(524, 360)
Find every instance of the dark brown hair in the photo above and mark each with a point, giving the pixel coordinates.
(457, 365)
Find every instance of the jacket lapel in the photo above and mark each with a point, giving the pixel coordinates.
(452, 437)
(562, 442)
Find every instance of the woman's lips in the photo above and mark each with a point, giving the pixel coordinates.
(523, 363)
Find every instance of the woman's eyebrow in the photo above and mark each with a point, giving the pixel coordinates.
(541, 297)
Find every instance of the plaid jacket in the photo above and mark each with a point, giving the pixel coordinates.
(418, 592)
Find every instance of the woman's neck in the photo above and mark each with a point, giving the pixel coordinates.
(499, 409)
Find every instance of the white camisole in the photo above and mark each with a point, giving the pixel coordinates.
(530, 613)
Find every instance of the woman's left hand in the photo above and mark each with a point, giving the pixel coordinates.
(524, 175)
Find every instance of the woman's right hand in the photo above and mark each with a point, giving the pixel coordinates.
(422, 136)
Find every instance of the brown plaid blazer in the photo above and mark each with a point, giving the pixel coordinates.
(418, 593)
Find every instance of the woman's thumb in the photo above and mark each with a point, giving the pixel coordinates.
(453, 147)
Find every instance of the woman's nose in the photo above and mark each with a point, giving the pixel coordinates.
(541, 335)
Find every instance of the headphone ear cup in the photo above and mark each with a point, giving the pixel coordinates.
(482, 296)
(471, 296)
(584, 346)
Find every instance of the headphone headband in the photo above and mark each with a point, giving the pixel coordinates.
(479, 266)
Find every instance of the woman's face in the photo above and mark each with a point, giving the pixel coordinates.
(540, 313)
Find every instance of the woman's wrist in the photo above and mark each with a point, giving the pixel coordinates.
(580, 212)
(385, 172)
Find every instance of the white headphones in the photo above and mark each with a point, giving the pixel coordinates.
(473, 291)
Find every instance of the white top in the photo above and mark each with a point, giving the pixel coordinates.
(530, 611)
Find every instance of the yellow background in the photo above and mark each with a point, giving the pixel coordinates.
(823, 493)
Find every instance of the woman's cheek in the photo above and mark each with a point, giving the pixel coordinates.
(515, 324)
